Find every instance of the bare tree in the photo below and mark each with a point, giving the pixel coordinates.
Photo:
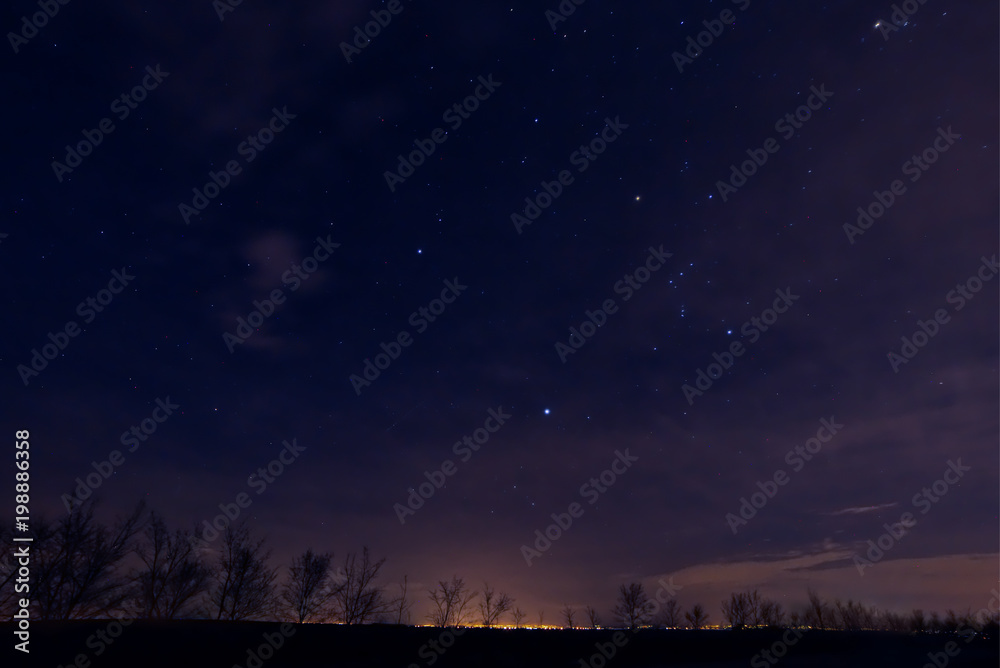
(492, 605)
(359, 599)
(852, 616)
(634, 607)
(400, 605)
(855, 616)
(771, 614)
(917, 622)
(735, 610)
(450, 600)
(75, 563)
(671, 615)
(754, 604)
(697, 617)
(891, 621)
(244, 580)
(306, 592)
(593, 617)
(749, 609)
(569, 613)
(541, 617)
(173, 575)
(518, 616)
(817, 614)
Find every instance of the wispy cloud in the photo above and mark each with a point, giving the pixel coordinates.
(858, 510)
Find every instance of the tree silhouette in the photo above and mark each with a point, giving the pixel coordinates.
(671, 615)
(305, 593)
(359, 600)
(817, 612)
(79, 572)
(735, 610)
(852, 616)
(697, 617)
(244, 580)
(450, 600)
(568, 613)
(492, 605)
(400, 605)
(75, 563)
(173, 575)
(634, 607)
(750, 609)
(771, 614)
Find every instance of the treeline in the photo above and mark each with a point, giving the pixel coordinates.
(746, 610)
(138, 568)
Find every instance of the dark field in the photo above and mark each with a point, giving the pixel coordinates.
(226, 644)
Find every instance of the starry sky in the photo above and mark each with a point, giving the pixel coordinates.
(699, 201)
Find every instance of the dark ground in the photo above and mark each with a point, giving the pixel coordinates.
(224, 644)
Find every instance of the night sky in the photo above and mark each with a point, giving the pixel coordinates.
(481, 312)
